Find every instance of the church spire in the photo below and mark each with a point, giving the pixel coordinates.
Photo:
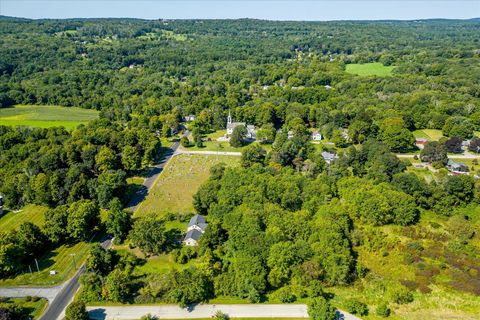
(229, 119)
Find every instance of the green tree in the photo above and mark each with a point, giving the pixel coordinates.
(119, 221)
(106, 159)
(99, 260)
(76, 311)
(131, 158)
(320, 309)
(252, 154)
(117, 286)
(148, 233)
(83, 217)
(383, 310)
(91, 287)
(237, 138)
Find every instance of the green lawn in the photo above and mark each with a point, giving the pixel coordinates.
(60, 260)
(30, 213)
(46, 116)
(369, 69)
(430, 134)
(34, 308)
(176, 185)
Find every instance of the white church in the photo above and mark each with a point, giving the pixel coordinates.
(251, 132)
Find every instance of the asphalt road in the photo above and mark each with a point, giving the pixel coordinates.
(56, 308)
(142, 192)
(207, 311)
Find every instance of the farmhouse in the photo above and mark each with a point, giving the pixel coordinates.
(251, 131)
(316, 135)
(196, 227)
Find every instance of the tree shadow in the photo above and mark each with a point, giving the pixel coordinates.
(97, 314)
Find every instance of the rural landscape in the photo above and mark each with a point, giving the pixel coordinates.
(239, 169)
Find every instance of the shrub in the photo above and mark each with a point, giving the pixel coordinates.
(219, 315)
(383, 310)
(357, 307)
(315, 289)
(401, 296)
(185, 142)
(76, 311)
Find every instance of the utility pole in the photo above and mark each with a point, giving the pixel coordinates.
(30, 268)
(36, 262)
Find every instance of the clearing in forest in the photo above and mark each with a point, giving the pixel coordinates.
(174, 189)
(369, 69)
(46, 116)
(30, 213)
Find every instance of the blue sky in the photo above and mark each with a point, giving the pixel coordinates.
(261, 9)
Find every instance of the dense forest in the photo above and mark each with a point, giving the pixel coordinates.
(286, 224)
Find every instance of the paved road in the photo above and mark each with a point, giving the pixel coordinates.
(48, 293)
(56, 308)
(451, 156)
(206, 311)
(142, 192)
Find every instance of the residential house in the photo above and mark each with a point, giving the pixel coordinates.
(1, 205)
(316, 135)
(290, 134)
(344, 133)
(196, 227)
(457, 167)
(420, 142)
(329, 156)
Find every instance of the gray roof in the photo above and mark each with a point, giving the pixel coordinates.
(329, 156)
(197, 220)
(193, 234)
(235, 124)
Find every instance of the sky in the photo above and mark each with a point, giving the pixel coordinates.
(233, 9)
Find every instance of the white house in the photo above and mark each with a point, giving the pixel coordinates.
(1, 205)
(290, 134)
(329, 156)
(316, 135)
(196, 227)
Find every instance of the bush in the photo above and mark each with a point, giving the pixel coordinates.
(357, 307)
(185, 142)
(402, 296)
(148, 317)
(315, 289)
(383, 310)
(219, 315)
(76, 311)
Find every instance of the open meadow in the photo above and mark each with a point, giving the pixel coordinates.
(46, 116)
(30, 213)
(369, 69)
(174, 189)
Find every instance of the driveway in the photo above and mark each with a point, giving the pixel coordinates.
(206, 311)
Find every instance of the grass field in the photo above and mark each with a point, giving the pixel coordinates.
(35, 308)
(61, 260)
(369, 69)
(430, 134)
(176, 185)
(30, 213)
(45, 116)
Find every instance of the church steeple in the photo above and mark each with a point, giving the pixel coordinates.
(229, 119)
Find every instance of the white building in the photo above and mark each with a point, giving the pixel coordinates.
(251, 131)
(190, 117)
(1, 205)
(316, 135)
(196, 227)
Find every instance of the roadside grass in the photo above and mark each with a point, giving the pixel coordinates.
(369, 69)
(30, 213)
(34, 308)
(175, 186)
(60, 259)
(46, 116)
(430, 134)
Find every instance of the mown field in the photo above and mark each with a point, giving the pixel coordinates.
(30, 213)
(174, 189)
(369, 69)
(60, 259)
(430, 134)
(46, 116)
(34, 308)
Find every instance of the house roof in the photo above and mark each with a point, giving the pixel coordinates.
(197, 220)
(329, 156)
(193, 234)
